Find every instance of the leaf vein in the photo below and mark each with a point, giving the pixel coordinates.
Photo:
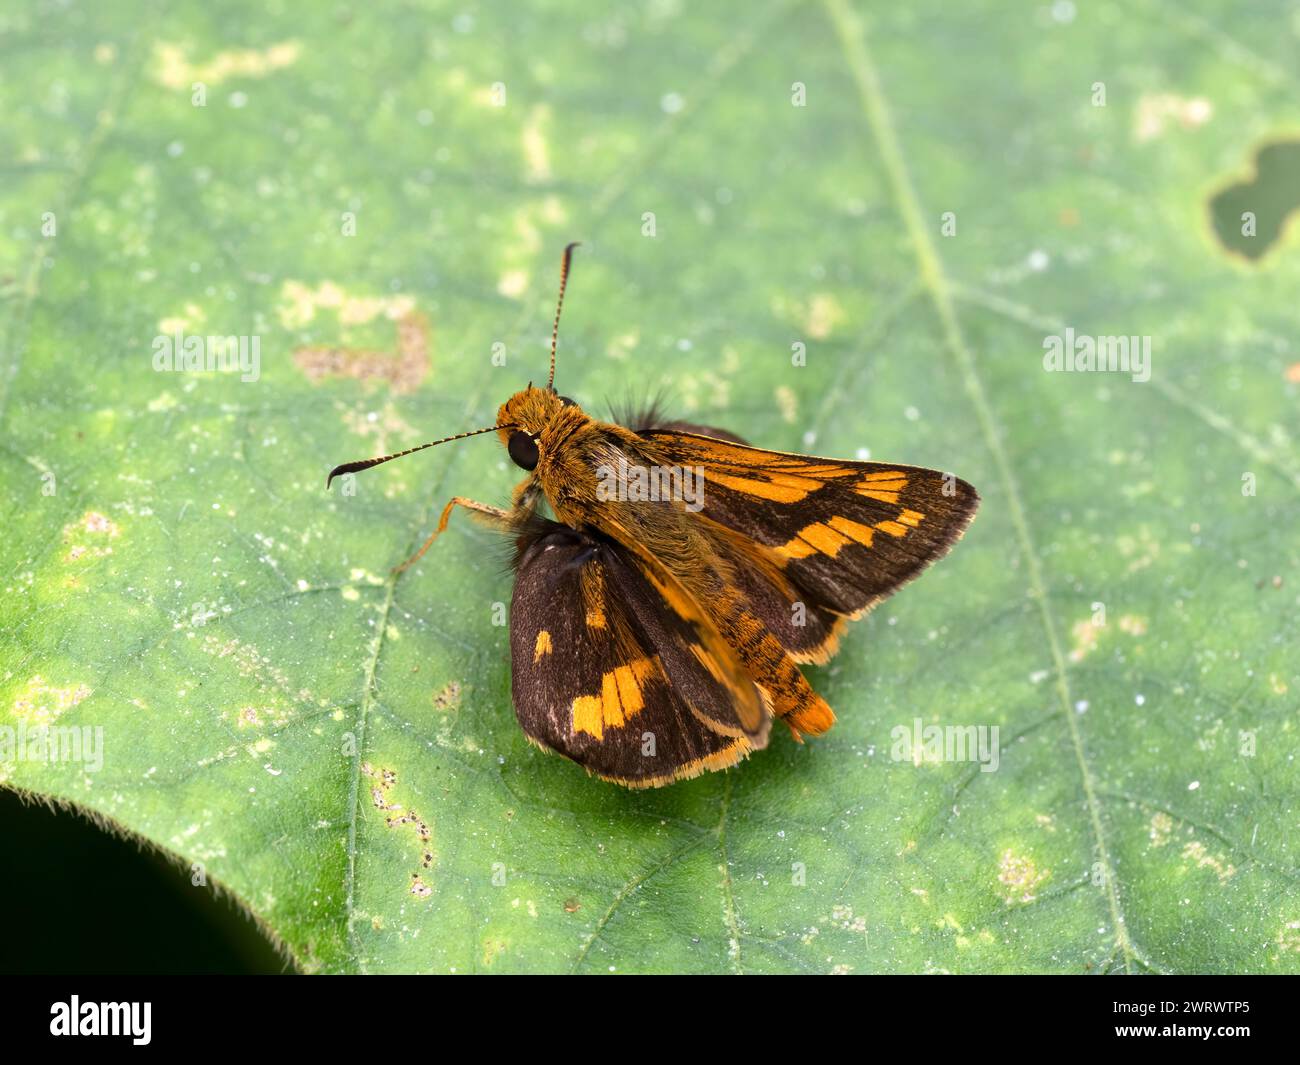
(853, 42)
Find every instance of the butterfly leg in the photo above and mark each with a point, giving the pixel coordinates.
(491, 515)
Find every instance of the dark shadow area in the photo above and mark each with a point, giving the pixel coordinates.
(80, 901)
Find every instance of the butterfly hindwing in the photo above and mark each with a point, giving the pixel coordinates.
(613, 670)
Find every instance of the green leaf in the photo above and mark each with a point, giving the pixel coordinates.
(176, 575)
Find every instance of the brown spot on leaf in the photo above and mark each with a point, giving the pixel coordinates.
(403, 371)
(387, 778)
(449, 697)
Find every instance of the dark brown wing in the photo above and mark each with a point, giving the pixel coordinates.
(817, 541)
(612, 668)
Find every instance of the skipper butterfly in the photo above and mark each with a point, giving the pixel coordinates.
(662, 610)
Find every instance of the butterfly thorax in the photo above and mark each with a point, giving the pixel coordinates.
(563, 449)
(609, 478)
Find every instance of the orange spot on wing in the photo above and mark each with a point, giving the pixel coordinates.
(798, 479)
(796, 548)
(621, 697)
(611, 706)
(778, 493)
(823, 538)
(826, 538)
(877, 476)
(883, 485)
(587, 716)
(542, 647)
(852, 529)
(629, 691)
(827, 470)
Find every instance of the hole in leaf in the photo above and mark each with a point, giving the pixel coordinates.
(1250, 216)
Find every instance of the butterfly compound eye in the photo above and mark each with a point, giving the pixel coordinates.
(523, 451)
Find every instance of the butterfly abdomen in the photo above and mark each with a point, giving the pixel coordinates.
(763, 655)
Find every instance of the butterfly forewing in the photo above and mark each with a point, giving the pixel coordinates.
(818, 541)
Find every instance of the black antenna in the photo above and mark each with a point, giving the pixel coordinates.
(365, 464)
(555, 332)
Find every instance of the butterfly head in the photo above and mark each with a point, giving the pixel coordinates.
(534, 418)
